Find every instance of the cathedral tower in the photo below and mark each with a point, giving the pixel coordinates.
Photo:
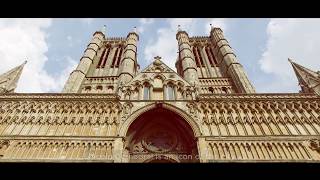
(207, 111)
(77, 76)
(105, 61)
(128, 65)
(211, 60)
(187, 67)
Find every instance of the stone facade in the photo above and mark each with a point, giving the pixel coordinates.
(110, 111)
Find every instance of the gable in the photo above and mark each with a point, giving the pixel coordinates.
(156, 73)
(158, 66)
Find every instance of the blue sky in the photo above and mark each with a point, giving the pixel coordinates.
(53, 47)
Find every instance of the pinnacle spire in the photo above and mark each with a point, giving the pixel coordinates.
(9, 80)
(308, 79)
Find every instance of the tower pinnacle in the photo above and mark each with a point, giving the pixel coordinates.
(179, 28)
(308, 79)
(9, 80)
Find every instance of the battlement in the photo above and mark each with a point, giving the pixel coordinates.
(115, 39)
(199, 39)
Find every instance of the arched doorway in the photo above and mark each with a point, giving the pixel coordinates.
(159, 136)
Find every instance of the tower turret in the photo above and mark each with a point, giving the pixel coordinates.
(186, 58)
(78, 75)
(228, 61)
(128, 65)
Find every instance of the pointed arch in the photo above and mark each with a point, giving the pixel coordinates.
(193, 124)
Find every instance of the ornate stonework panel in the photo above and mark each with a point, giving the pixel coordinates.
(60, 118)
(259, 150)
(57, 150)
(70, 115)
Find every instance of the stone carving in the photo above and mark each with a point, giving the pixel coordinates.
(193, 110)
(160, 141)
(126, 110)
(314, 144)
(4, 144)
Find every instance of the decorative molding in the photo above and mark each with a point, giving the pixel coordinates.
(57, 96)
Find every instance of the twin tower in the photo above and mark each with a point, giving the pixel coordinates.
(206, 63)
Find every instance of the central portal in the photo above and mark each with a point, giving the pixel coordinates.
(160, 135)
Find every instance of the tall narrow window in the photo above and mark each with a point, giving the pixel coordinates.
(212, 55)
(106, 57)
(196, 56)
(170, 92)
(115, 57)
(101, 58)
(209, 56)
(119, 57)
(180, 70)
(200, 57)
(146, 92)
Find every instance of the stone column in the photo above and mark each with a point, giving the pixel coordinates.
(189, 67)
(78, 75)
(107, 68)
(229, 62)
(140, 93)
(175, 92)
(151, 93)
(202, 149)
(165, 95)
(118, 150)
(128, 63)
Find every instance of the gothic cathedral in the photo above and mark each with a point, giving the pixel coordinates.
(205, 111)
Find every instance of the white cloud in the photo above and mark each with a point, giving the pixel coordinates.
(290, 38)
(144, 22)
(87, 21)
(166, 44)
(61, 78)
(25, 39)
(216, 22)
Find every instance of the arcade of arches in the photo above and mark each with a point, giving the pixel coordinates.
(160, 135)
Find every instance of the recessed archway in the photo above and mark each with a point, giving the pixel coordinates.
(163, 133)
